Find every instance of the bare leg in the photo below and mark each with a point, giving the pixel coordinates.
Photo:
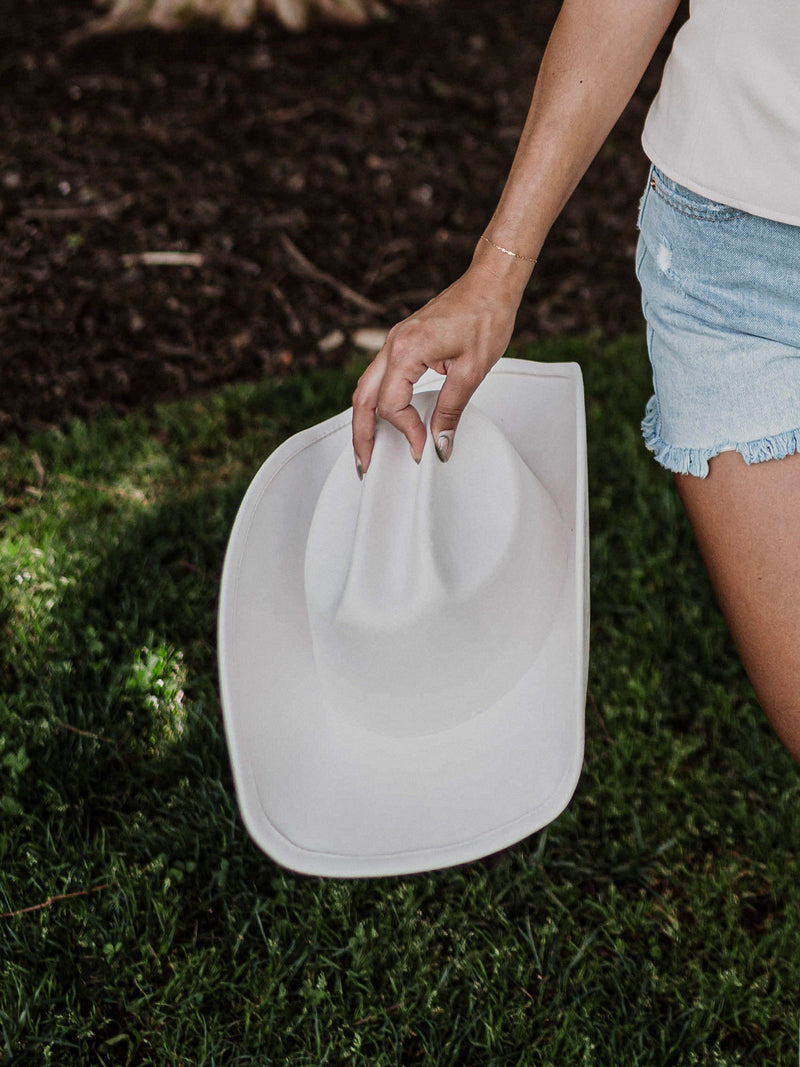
(746, 521)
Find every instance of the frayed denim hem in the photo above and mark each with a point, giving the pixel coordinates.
(695, 460)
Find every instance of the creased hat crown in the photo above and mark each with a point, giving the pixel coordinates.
(430, 587)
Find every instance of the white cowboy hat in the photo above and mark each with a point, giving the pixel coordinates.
(403, 660)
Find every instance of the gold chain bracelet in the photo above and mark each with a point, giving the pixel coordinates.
(508, 252)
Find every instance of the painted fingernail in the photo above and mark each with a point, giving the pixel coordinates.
(411, 450)
(444, 445)
(359, 470)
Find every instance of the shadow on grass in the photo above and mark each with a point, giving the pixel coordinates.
(110, 668)
(675, 851)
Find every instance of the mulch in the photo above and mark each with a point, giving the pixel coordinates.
(311, 186)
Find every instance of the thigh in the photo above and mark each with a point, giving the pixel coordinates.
(746, 521)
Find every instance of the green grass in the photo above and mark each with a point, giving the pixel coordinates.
(656, 921)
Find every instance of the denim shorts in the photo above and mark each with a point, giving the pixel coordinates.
(721, 297)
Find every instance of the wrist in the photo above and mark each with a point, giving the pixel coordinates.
(501, 272)
(509, 251)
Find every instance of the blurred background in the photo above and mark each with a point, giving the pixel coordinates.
(305, 185)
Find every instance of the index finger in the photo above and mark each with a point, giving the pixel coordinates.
(386, 388)
(365, 402)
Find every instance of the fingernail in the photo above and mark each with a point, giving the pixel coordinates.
(444, 445)
(411, 450)
(359, 470)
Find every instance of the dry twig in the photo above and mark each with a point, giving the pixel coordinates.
(307, 269)
(600, 719)
(295, 325)
(84, 733)
(54, 900)
(83, 211)
(39, 469)
(127, 494)
(164, 259)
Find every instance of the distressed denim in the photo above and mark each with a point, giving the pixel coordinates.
(721, 298)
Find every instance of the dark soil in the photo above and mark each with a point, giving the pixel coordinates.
(325, 182)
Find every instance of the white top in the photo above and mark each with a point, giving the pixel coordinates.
(726, 120)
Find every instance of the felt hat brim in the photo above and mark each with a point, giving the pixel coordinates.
(323, 796)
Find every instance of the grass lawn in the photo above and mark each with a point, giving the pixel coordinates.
(657, 921)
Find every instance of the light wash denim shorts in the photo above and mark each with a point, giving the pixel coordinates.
(721, 297)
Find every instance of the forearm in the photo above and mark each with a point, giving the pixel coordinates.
(594, 60)
(596, 55)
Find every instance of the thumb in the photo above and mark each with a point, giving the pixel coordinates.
(453, 398)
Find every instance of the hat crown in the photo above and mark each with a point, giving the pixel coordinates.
(429, 587)
(426, 538)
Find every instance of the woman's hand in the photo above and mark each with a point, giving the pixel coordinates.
(461, 333)
(596, 54)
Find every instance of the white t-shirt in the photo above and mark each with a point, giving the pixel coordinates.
(726, 120)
